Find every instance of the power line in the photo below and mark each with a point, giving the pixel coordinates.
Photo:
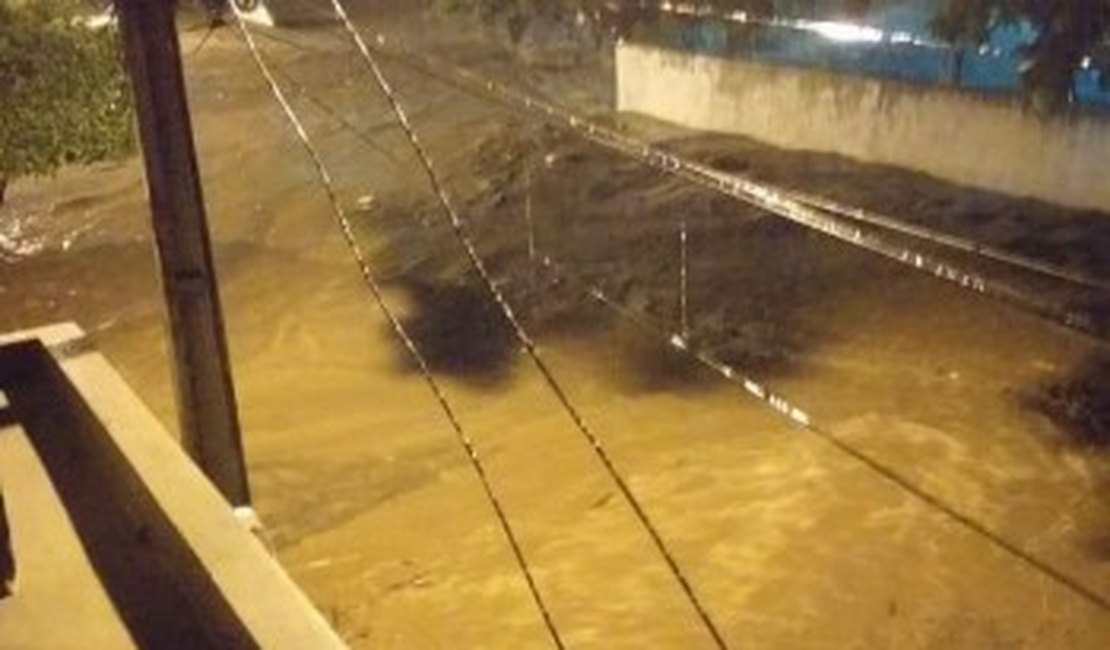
(319, 103)
(754, 388)
(870, 217)
(213, 25)
(522, 336)
(811, 213)
(962, 244)
(334, 115)
(684, 280)
(802, 419)
(777, 202)
(399, 330)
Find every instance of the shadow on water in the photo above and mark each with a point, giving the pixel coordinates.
(1097, 542)
(1079, 403)
(748, 276)
(460, 332)
(633, 359)
(645, 364)
(609, 224)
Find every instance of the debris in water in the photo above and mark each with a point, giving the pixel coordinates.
(366, 202)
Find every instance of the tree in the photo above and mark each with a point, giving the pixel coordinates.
(618, 15)
(64, 95)
(516, 14)
(1068, 33)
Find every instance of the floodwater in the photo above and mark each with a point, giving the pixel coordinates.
(374, 509)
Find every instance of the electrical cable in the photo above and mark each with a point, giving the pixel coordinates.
(802, 419)
(460, 230)
(780, 202)
(400, 332)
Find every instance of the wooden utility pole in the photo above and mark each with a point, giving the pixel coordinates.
(202, 374)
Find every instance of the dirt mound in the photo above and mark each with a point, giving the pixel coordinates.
(616, 225)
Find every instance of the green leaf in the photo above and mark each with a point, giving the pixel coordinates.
(62, 88)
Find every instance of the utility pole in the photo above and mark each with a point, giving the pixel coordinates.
(201, 370)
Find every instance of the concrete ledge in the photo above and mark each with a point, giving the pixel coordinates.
(110, 517)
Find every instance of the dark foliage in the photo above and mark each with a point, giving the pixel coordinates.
(1068, 32)
(62, 89)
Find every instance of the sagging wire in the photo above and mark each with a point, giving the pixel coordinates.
(528, 216)
(213, 20)
(317, 103)
(962, 244)
(399, 330)
(780, 203)
(213, 25)
(684, 280)
(802, 419)
(795, 414)
(302, 48)
(784, 204)
(870, 217)
(334, 115)
(526, 341)
(297, 45)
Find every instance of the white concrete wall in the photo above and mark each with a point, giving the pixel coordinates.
(968, 138)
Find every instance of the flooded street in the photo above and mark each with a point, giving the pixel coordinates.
(790, 542)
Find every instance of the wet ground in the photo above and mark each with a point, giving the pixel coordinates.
(790, 542)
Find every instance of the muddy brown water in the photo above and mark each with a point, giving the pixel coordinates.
(372, 505)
